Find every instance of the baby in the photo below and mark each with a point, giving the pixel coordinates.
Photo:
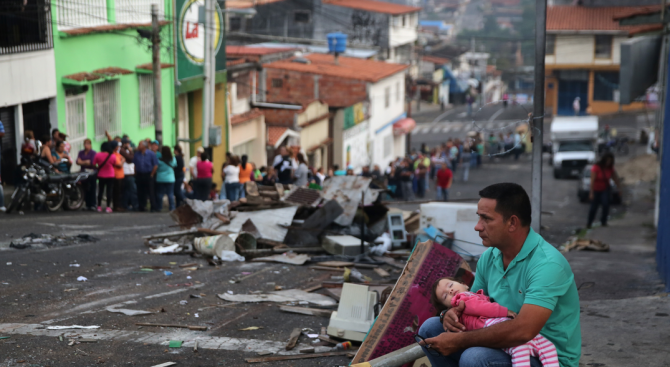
(480, 312)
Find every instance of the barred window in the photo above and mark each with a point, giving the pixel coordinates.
(146, 100)
(106, 108)
(75, 116)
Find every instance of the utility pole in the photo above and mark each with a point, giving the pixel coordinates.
(156, 61)
(537, 123)
(209, 68)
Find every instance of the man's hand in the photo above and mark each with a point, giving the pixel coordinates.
(452, 319)
(445, 343)
(511, 314)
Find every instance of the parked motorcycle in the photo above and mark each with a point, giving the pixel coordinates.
(43, 186)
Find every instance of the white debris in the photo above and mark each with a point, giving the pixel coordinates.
(72, 327)
(82, 279)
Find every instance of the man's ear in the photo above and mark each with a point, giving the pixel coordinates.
(514, 223)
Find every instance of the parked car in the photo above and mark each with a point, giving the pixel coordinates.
(584, 187)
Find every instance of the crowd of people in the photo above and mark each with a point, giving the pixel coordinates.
(126, 176)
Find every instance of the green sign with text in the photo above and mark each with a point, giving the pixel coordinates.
(191, 38)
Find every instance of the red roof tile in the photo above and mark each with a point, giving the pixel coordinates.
(646, 28)
(638, 10)
(243, 117)
(348, 67)
(275, 133)
(255, 51)
(83, 76)
(435, 59)
(579, 18)
(231, 62)
(375, 6)
(112, 70)
(150, 66)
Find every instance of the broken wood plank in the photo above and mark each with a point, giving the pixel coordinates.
(157, 267)
(326, 339)
(299, 356)
(293, 339)
(313, 288)
(326, 268)
(251, 188)
(306, 311)
(274, 195)
(212, 232)
(335, 264)
(190, 327)
(381, 272)
(188, 265)
(307, 350)
(222, 218)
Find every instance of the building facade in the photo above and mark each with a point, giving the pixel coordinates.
(583, 59)
(28, 75)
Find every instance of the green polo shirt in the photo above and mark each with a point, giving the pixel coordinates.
(539, 275)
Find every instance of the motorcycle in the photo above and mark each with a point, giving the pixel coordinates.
(43, 186)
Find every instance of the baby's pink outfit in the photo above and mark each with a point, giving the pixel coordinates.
(480, 312)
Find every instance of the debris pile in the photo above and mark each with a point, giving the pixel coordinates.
(33, 240)
(345, 230)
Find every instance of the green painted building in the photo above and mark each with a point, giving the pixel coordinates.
(104, 76)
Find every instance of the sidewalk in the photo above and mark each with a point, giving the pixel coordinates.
(624, 310)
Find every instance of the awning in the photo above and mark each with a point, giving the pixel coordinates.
(404, 126)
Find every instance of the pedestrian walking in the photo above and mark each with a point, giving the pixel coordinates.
(203, 184)
(466, 158)
(231, 177)
(165, 178)
(129, 194)
(601, 190)
(179, 174)
(444, 180)
(146, 165)
(104, 162)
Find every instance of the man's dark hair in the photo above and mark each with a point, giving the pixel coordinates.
(511, 199)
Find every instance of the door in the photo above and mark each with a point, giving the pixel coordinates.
(36, 118)
(568, 90)
(8, 146)
(75, 116)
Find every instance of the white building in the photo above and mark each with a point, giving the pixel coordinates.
(473, 65)
(28, 78)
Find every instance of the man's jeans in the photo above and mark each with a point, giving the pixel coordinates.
(129, 195)
(471, 357)
(442, 194)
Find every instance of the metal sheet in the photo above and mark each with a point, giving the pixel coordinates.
(268, 222)
(346, 190)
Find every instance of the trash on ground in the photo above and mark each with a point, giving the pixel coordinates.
(297, 356)
(72, 327)
(348, 192)
(82, 279)
(290, 295)
(586, 244)
(285, 258)
(355, 313)
(251, 328)
(344, 245)
(167, 273)
(33, 240)
(293, 339)
(306, 311)
(75, 265)
(166, 364)
(128, 312)
(190, 327)
(175, 344)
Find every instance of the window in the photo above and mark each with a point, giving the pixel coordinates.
(603, 47)
(75, 116)
(387, 97)
(277, 83)
(404, 20)
(235, 24)
(551, 44)
(106, 108)
(146, 100)
(388, 145)
(397, 92)
(302, 16)
(606, 86)
(132, 11)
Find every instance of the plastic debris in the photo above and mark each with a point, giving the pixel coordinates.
(128, 312)
(75, 265)
(290, 295)
(82, 279)
(167, 273)
(72, 327)
(175, 343)
(251, 328)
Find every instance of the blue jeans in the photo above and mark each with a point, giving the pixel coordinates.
(129, 196)
(442, 194)
(178, 192)
(164, 188)
(471, 357)
(600, 198)
(233, 191)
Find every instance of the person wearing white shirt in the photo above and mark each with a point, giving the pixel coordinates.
(193, 163)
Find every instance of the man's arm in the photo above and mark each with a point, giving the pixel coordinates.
(523, 328)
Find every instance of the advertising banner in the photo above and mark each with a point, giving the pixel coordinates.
(191, 38)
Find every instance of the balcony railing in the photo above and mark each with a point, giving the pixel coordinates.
(25, 25)
(92, 13)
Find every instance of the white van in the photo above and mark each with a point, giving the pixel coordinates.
(573, 143)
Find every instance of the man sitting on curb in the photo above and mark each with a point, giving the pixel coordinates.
(520, 271)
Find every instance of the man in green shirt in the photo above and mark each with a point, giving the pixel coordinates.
(520, 271)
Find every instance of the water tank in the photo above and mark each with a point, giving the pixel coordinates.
(337, 42)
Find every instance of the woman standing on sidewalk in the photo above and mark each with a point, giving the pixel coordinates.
(165, 177)
(601, 191)
(104, 162)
